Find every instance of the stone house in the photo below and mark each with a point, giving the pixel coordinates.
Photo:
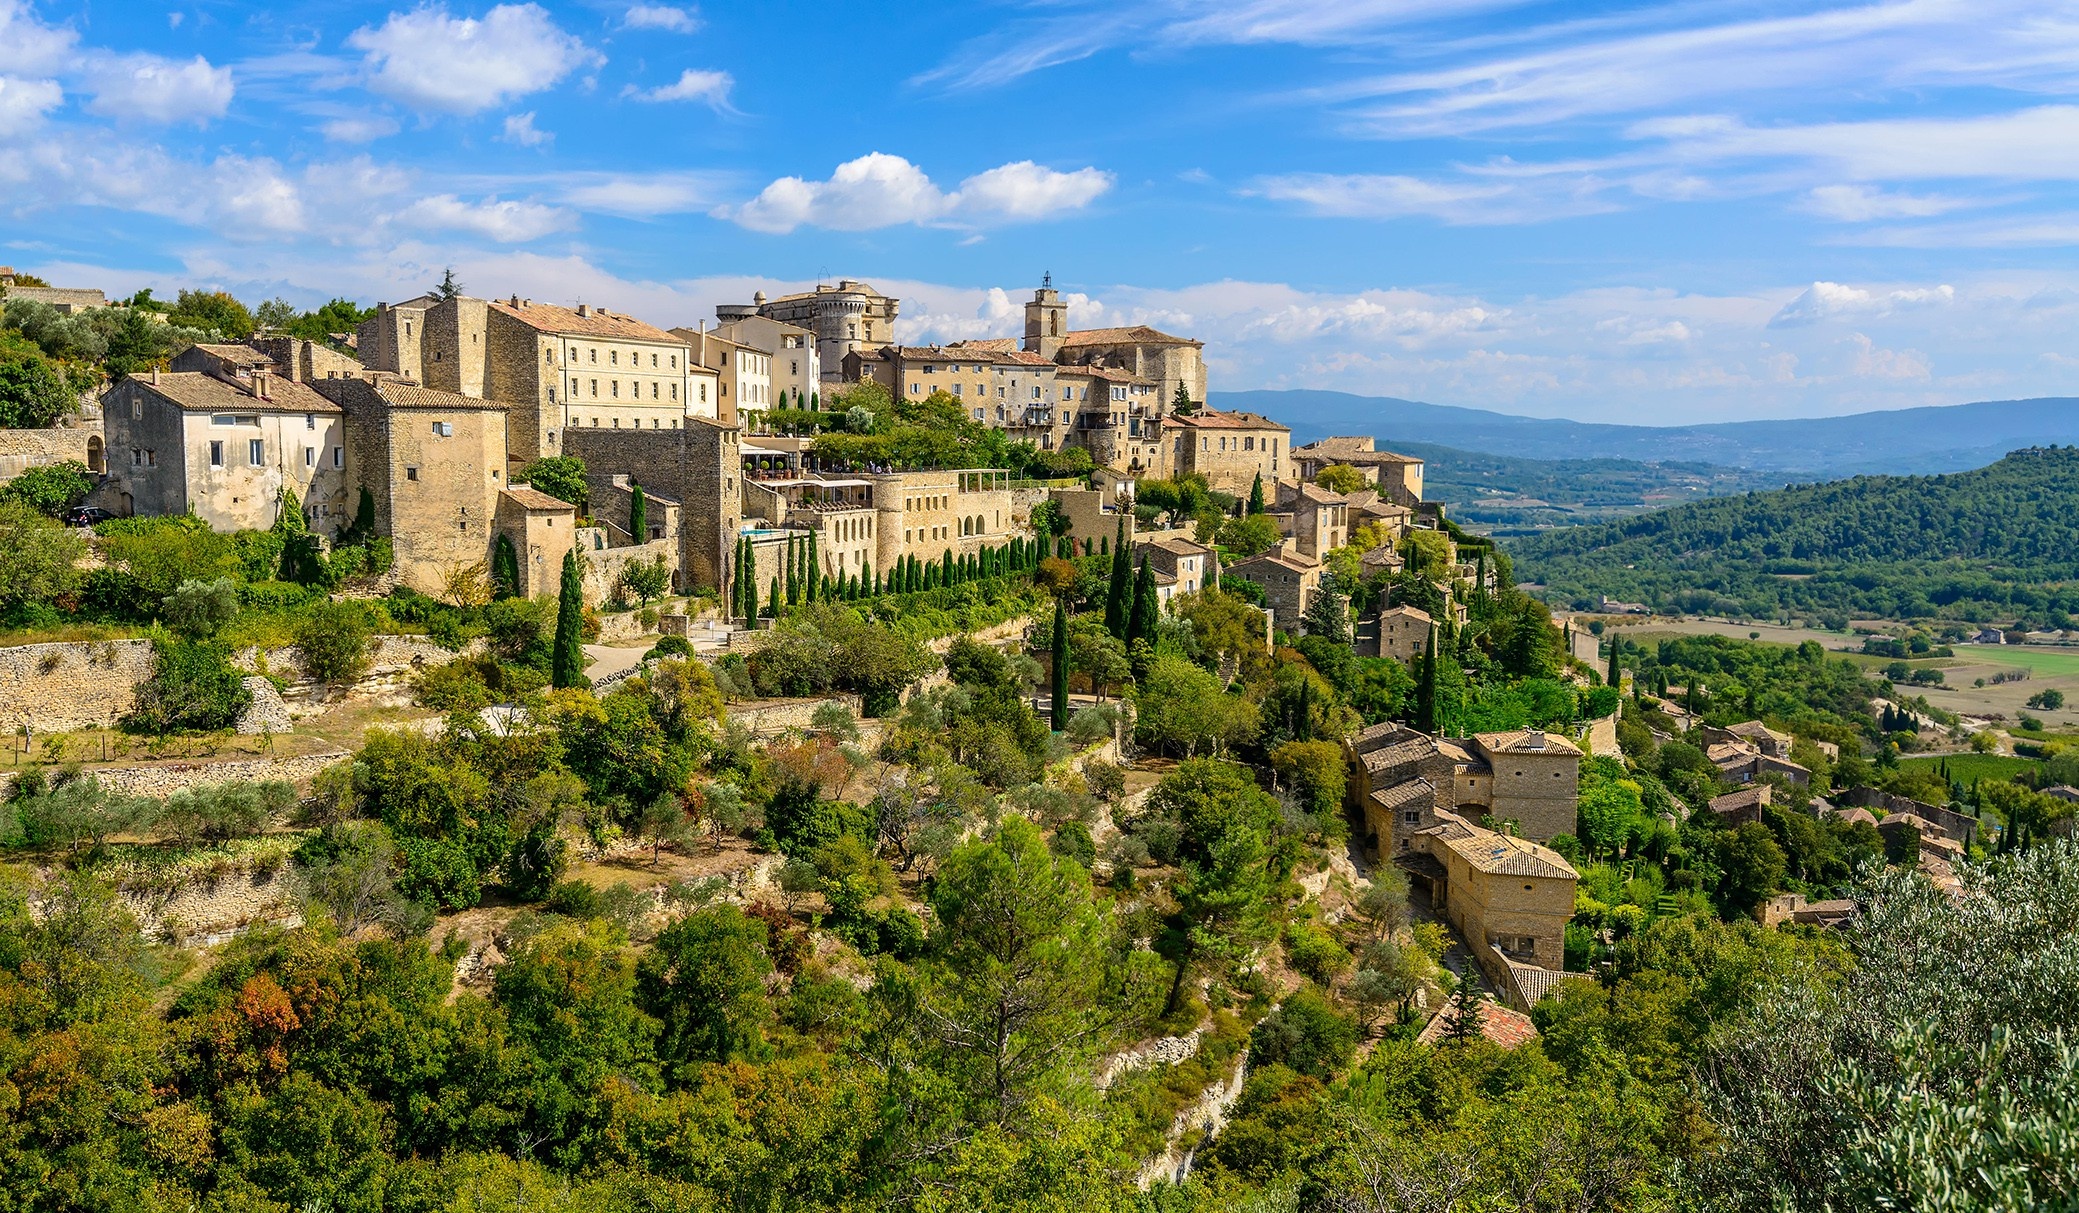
(224, 442)
(1316, 520)
(1535, 780)
(700, 467)
(1397, 478)
(1792, 907)
(1289, 583)
(796, 369)
(435, 463)
(742, 374)
(1179, 566)
(845, 318)
(1399, 779)
(1743, 806)
(541, 529)
(1229, 449)
(1757, 737)
(1508, 897)
(1403, 632)
(1961, 827)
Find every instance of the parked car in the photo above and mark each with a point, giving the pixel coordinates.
(86, 515)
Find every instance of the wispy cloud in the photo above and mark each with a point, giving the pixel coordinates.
(661, 16)
(879, 190)
(711, 87)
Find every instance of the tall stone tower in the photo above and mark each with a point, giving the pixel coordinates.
(1046, 320)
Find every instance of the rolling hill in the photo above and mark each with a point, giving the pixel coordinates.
(1904, 441)
(1998, 543)
(1506, 495)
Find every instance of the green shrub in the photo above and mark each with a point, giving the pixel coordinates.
(1311, 950)
(1304, 1034)
(193, 688)
(51, 489)
(573, 899)
(332, 642)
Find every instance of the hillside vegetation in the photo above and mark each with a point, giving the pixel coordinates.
(1504, 494)
(1998, 543)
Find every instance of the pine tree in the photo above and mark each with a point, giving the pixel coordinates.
(1060, 662)
(1256, 495)
(505, 568)
(1118, 595)
(1181, 404)
(1141, 624)
(566, 655)
(1426, 687)
(638, 516)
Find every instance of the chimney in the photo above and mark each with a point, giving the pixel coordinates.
(1534, 739)
(292, 366)
(259, 385)
(155, 374)
(585, 310)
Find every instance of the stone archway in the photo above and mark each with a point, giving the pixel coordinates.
(95, 454)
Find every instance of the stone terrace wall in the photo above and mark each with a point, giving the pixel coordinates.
(165, 778)
(72, 685)
(203, 913)
(771, 717)
(21, 450)
(602, 566)
(392, 661)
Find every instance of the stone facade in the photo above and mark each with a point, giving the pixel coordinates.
(1403, 632)
(699, 467)
(847, 317)
(55, 688)
(1229, 449)
(742, 374)
(796, 367)
(541, 529)
(1398, 478)
(21, 450)
(1510, 899)
(1289, 583)
(1316, 520)
(1537, 780)
(435, 463)
(225, 446)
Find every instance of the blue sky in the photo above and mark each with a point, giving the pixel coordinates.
(1649, 212)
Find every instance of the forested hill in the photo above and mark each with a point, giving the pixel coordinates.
(1993, 543)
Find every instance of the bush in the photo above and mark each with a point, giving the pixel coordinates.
(1304, 1034)
(199, 610)
(670, 646)
(1311, 950)
(193, 687)
(51, 489)
(573, 899)
(332, 642)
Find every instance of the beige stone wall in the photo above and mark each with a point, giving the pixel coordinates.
(771, 717)
(21, 450)
(1484, 905)
(602, 566)
(76, 685)
(443, 490)
(1538, 791)
(1231, 459)
(927, 514)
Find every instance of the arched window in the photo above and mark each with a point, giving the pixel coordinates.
(94, 449)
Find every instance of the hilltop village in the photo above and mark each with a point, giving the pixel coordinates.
(784, 767)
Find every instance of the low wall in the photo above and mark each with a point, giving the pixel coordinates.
(165, 778)
(602, 566)
(392, 662)
(208, 910)
(771, 717)
(21, 450)
(54, 688)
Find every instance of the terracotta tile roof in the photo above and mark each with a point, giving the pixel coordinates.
(1400, 795)
(1295, 562)
(1407, 612)
(235, 355)
(1175, 546)
(1308, 492)
(1756, 730)
(1535, 981)
(1383, 729)
(1399, 753)
(549, 318)
(1138, 334)
(1498, 1023)
(1852, 816)
(999, 345)
(1501, 855)
(397, 394)
(1745, 798)
(1527, 741)
(1207, 419)
(529, 498)
(197, 392)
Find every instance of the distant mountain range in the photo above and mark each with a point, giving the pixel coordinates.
(1903, 441)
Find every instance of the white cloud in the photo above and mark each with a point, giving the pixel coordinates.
(1023, 191)
(150, 88)
(1830, 300)
(33, 48)
(2039, 144)
(23, 103)
(1860, 204)
(1393, 196)
(359, 128)
(640, 195)
(879, 190)
(660, 16)
(506, 222)
(520, 129)
(692, 85)
(430, 60)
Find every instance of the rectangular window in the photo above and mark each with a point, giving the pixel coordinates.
(255, 452)
(339, 456)
(594, 355)
(310, 456)
(613, 357)
(614, 388)
(137, 408)
(595, 389)
(216, 454)
(956, 389)
(653, 360)
(411, 473)
(222, 419)
(310, 421)
(444, 429)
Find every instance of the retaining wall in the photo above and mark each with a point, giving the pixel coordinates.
(55, 688)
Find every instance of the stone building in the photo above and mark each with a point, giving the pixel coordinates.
(554, 368)
(700, 467)
(1400, 779)
(1536, 780)
(796, 370)
(1509, 898)
(1403, 632)
(845, 318)
(67, 300)
(541, 529)
(306, 360)
(1316, 520)
(743, 373)
(1229, 449)
(1179, 566)
(435, 463)
(1289, 583)
(1397, 477)
(224, 442)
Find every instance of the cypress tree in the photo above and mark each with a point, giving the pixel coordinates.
(638, 515)
(946, 572)
(505, 569)
(1141, 624)
(1118, 594)
(1615, 676)
(774, 609)
(1256, 495)
(812, 570)
(866, 580)
(566, 656)
(1104, 542)
(1060, 662)
(815, 402)
(364, 515)
(1426, 687)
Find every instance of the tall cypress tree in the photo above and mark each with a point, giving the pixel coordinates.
(566, 655)
(1426, 687)
(1118, 594)
(774, 609)
(505, 568)
(1256, 495)
(1059, 657)
(1141, 624)
(946, 570)
(638, 515)
(812, 570)
(1616, 676)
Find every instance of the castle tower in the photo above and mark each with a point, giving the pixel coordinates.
(1046, 320)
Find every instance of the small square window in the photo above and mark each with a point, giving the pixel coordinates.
(411, 473)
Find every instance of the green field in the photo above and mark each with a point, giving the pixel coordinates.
(1967, 767)
(2050, 663)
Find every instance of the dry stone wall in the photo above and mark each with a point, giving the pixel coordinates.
(165, 778)
(21, 450)
(54, 688)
